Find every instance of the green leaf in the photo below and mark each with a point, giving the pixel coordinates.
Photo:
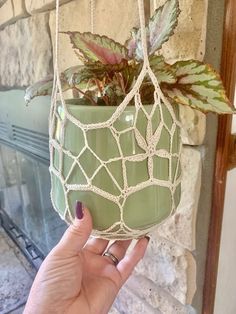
(161, 26)
(41, 88)
(93, 47)
(164, 74)
(134, 45)
(199, 87)
(82, 73)
(78, 76)
(162, 70)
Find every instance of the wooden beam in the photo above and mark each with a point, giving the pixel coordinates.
(232, 152)
(228, 74)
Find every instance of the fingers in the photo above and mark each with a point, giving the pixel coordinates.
(96, 245)
(118, 249)
(78, 233)
(128, 263)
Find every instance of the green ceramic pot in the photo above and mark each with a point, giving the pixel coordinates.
(139, 210)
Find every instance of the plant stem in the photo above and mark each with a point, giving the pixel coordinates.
(105, 98)
(98, 85)
(86, 96)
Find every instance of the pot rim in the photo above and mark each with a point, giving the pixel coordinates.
(84, 104)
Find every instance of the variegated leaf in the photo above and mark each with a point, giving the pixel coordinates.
(82, 73)
(134, 45)
(93, 47)
(77, 74)
(161, 26)
(199, 87)
(162, 70)
(41, 88)
(164, 74)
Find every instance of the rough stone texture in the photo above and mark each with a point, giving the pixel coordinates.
(180, 228)
(2, 2)
(111, 20)
(193, 126)
(113, 310)
(16, 276)
(190, 34)
(129, 302)
(166, 264)
(155, 296)
(27, 58)
(11, 10)
(34, 7)
(191, 277)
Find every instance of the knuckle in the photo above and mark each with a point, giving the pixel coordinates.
(77, 231)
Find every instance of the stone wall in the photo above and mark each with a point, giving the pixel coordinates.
(165, 281)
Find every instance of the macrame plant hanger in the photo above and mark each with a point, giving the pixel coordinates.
(149, 146)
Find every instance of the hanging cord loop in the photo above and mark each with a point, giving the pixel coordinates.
(143, 32)
(92, 15)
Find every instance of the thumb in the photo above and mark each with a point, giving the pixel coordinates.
(78, 233)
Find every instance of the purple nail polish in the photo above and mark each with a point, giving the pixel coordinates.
(79, 210)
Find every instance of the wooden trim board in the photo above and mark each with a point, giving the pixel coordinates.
(228, 74)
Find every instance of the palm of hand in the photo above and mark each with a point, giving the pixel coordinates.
(86, 280)
(76, 278)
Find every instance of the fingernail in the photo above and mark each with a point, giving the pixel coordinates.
(79, 210)
(147, 237)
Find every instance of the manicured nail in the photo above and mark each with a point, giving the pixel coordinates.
(147, 237)
(79, 210)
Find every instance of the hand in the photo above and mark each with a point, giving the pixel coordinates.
(76, 278)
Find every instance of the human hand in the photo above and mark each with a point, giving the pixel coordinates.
(76, 278)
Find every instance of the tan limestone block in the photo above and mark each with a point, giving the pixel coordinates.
(166, 265)
(11, 11)
(180, 228)
(127, 301)
(191, 277)
(158, 298)
(2, 2)
(33, 6)
(26, 52)
(193, 126)
(188, 41)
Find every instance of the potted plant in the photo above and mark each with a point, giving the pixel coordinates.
(122, 162)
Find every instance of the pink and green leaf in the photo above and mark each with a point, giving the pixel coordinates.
(93, 47)
(82, 73)
(161, 26)
(199, 87)
(78, 76)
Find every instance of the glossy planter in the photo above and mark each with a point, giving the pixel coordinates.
(139, 210)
